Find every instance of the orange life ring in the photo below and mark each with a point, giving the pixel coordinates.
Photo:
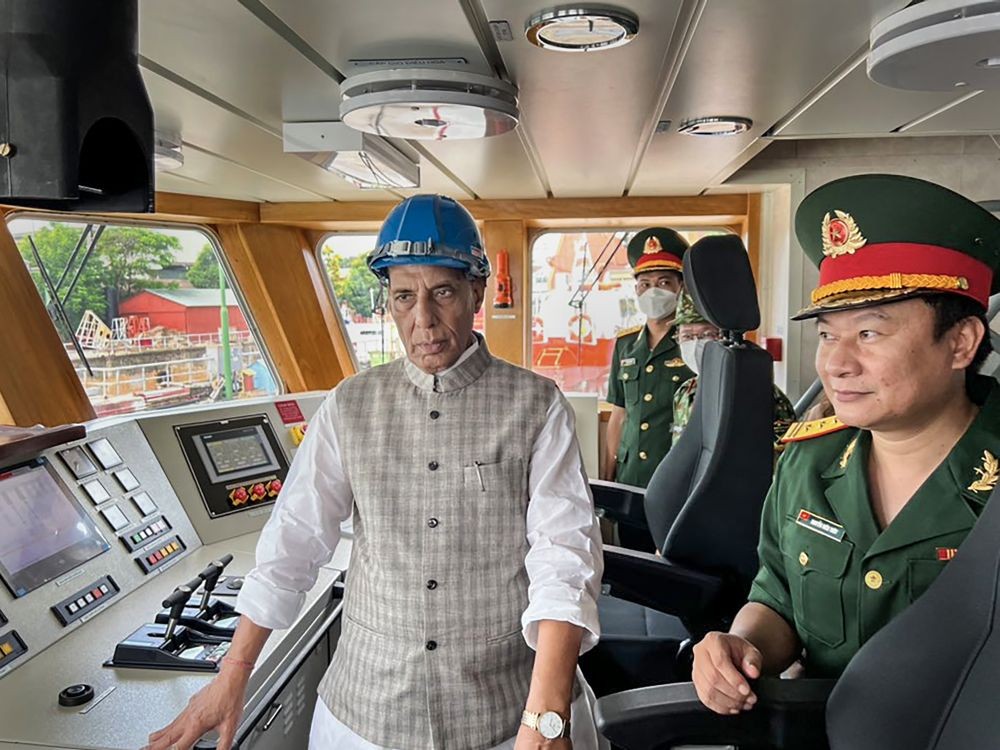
(537, 329)
(580, 329)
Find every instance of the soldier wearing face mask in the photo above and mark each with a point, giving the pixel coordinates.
(646, 367)
(693, 334)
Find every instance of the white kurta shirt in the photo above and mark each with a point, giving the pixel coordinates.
(563, 563)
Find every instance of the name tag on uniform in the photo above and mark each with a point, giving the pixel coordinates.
(809, 520)
(628, 361)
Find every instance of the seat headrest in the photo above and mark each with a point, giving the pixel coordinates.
(718, 277)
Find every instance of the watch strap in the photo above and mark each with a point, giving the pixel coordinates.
(530, 719)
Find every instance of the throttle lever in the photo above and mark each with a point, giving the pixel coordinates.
(176, 603)
(210, 575)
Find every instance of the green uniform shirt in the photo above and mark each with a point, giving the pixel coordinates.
(643, 382)
(826, 567)
(784, 412)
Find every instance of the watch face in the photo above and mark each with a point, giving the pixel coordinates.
(550, 725)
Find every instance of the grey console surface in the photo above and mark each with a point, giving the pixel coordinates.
(131, 703)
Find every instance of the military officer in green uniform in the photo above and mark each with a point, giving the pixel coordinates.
(693, 333)
(868, 507)
(646, 367)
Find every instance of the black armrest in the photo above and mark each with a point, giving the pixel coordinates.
(653, 582)
(790, 714)
(619, 502)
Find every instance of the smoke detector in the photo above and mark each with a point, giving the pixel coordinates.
(428, 104)
(938, 45)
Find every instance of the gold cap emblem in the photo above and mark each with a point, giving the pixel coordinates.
(841, 235)
(652, 245)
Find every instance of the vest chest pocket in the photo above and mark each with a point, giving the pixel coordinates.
(816, 567)
(629, 377)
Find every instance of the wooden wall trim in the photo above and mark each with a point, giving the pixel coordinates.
(332, 215)
(37, 384)
(279, 276)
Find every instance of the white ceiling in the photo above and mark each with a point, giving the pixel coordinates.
(225, 74)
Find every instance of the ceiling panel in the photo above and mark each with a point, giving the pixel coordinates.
(980, 114)
(857, 105)
(496, 167)
(223, 48)
(232, 138)
(586, 112)
(757, 59)
(342, 30)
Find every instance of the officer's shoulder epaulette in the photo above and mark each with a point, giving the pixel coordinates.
(675, 362)
(629, 331)
(799, 431)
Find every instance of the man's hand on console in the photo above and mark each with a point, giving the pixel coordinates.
(723, 664)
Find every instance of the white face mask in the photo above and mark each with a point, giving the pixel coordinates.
(658, 303)
(692, 353)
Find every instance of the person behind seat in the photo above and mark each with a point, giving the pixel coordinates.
(646, 368)
(693, 333)
(868, 507)
(475, 539)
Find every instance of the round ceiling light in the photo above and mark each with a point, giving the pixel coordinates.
(428, 104)
(167, 153)
(583, 28)
(715, 126)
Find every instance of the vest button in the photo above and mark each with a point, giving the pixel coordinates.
(431, 645)
(433, 466)
(435, 414)
(432, 584)
(432, 522)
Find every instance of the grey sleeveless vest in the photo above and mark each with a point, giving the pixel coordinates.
(431, 653)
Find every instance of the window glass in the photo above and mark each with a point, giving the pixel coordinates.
(140, 311)
(356, 290)
(582, 297)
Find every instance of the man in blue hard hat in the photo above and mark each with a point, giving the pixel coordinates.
(476, 561)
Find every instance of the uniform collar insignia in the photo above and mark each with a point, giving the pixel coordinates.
(848, 453)
(989, 473)
(652, 245)
(675, 362)
(841, 234)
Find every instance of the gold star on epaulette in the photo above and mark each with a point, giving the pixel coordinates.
(807, 430)
(988, 474)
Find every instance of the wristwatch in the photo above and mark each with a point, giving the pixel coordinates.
(550, 725)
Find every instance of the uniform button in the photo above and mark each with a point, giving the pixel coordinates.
(435, 414)
(642, 455)
(803, 559)
(432, 584)
(432, 522)
(625, 376)
(873, 580)
(431, 645)
(649, 368)
(648, 397)
(644, 426)
(675, 378)
(433, 466)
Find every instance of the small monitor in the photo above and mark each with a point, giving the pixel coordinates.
(45, 533)
(235, 453)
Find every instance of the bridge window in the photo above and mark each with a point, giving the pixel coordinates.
(582, 297)
(140, 311)
(355, 290)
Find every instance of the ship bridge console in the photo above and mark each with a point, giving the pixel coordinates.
(123, 544)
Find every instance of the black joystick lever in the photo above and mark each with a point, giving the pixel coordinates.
(176, 603)
(210, 575)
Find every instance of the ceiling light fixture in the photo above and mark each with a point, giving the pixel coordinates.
(711, 126)
(581, 28)
(366, 161)
(167, 153)
(428, 104)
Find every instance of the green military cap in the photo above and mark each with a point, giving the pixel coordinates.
(686, 311)
(655, 249)
(881, 237)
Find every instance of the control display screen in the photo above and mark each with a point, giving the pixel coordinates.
(236, 452)
(43, 531)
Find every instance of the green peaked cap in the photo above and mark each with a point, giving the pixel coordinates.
(670, 241)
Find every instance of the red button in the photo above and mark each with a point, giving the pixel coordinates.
(151, 559)
(275, 486)
(258, 490)
(97, 593)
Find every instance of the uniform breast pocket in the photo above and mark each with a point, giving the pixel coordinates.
(920, 574)
(816, 566)
(629, 377)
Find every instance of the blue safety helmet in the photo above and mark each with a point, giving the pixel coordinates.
(431, 229)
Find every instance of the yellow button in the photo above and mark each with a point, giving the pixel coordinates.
(642, 455)
(803, 558)
(6, 649)
(873, 580)
(675, 378)
(625, 376)
(648, 397)
(644, 426)
(649, 368)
